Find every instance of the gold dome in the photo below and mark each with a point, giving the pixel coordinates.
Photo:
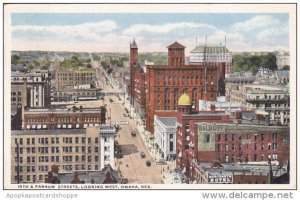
(184, 100)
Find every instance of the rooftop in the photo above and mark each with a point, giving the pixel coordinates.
(210, 49)
(176, 45)
(62, 111)
(48, 132)
(168, 121)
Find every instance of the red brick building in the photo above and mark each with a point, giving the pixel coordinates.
(75, 118)
(137, 81)
(216, 136)
(165, 83)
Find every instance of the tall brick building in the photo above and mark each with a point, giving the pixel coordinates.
(137, 81)
(165, 84)
(236, 136)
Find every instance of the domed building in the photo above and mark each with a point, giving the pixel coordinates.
(184, 103)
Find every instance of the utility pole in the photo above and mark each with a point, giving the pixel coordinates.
(18, 163)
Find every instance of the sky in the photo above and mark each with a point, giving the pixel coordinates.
(112, 32)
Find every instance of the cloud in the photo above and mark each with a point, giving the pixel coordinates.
(164, 28)
(258, 32)
(256, 22)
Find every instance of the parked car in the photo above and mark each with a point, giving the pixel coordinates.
(148, 163)
(161, 162)
(143, 155)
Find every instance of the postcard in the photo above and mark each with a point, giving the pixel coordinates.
(149, 96)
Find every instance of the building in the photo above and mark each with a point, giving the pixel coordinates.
(165, 136)
(18, 101)
(281, 77)
(106, 176)
(19, 68)
(227, 137)
(74, 93)
(35, 151)
(37, 87)
(220, 104)
(76, 77)
(212, 54)
(137, 82)
(283, 60)
(58, 118)
(165, 83)
(271, 99)
(239, 173)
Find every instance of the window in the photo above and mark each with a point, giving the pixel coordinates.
(262, 136)
(262, 146)
(240, 136)
(232, 137)
(274, 136)
(96, 140)
(226, 137)
(96, 150)
(262, 157)
(207, 138)
(226, 147)
(171, 146)
(255, 157)
(218, 137)
(274, 146)
(255, 146)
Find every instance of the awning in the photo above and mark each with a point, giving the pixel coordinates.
(58, 125)
(45, 126)
(77, 125)
(96, 124)
(33, 126)
(85, 125)
(64, 126)
(28, 126)
(69, 125)
(39, 126)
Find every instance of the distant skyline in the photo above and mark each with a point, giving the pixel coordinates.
(112, 32)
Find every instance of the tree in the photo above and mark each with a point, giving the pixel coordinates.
(105, 65)
(15, 59)
(286, 67)
(46, 66)
(89, 65)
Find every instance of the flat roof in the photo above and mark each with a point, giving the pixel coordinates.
(168, 121)
(48, 132)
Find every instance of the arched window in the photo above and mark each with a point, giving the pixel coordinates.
(167, 99)
(194, 97)
(176, 96)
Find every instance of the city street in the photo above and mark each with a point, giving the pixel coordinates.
(131, 165)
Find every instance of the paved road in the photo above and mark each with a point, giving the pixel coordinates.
(137, 171)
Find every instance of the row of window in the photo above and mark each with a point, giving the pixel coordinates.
(235, 137)
(234, 147)
(56, 140)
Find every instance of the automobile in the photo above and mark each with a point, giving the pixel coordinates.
(161, 162)
(143, 155)
(148, 163)
(125, 115)
(133, 133)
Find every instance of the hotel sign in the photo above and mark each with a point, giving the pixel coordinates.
(211, 128)
(220, 178)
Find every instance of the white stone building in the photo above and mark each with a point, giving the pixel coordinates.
(165, 136)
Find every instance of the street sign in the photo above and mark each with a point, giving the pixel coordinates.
(119, 123)
(220, 178)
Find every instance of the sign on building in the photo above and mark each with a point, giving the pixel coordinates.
(119, 123)
(220, 178)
